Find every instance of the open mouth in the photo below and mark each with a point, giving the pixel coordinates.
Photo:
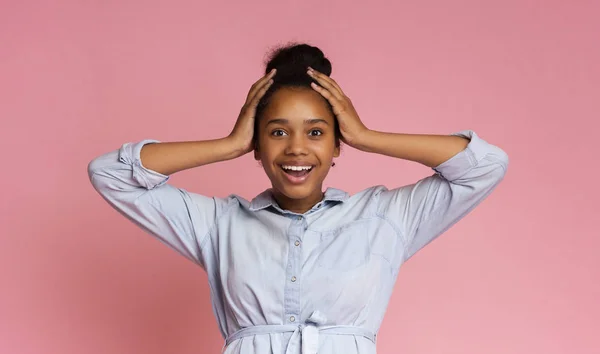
(297, 173)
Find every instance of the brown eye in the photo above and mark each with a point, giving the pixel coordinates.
(277, 132)
(316, 132)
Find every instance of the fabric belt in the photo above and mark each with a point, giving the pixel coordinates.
(305, 336)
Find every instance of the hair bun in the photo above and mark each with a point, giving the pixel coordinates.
(292, 61)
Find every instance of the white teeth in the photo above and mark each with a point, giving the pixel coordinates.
(296, 168)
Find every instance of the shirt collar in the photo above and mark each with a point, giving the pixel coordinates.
(266, 199)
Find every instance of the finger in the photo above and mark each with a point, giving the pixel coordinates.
(258, 85)
(327, 82)
(260, 93)
(329, 79)
(325, 93)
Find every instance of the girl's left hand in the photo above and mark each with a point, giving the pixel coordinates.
(351, 127)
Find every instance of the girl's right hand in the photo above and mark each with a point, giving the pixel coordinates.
(243, 131)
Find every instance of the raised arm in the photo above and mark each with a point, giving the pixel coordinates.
(467, 170)
(424, 210)
(175, 216)
(133, 180)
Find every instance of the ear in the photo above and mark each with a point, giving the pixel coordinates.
(256, 153)
(336, 152)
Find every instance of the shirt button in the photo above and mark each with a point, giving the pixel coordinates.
(292, 318)
(297, 243)
(293, 279)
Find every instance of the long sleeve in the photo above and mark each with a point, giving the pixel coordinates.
(424, 210)
(180, 219)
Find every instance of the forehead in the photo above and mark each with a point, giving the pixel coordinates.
(297, 104)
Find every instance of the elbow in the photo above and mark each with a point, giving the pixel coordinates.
(496, 174)
(92, 167)
(94, 170)
(503, 161)
(499, 158)
(99, 165)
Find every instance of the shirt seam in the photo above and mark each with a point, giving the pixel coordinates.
(378, 213)
(213, 270)
(202, 242)
(210, 231)
(399, 234)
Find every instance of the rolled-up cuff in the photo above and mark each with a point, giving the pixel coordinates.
(462, 162)
(129, 154)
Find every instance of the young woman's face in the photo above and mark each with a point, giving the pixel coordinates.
(296, 145)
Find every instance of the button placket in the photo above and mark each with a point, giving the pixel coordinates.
(292, 287)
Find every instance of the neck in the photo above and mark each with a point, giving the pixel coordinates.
(299, 206)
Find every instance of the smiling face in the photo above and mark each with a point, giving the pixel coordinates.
(296, 145)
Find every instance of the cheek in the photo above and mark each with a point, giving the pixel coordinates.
(326, 150)
(267, 157)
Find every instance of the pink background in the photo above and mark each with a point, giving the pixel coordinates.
(521, 274)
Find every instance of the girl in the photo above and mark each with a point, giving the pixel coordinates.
(298, 269)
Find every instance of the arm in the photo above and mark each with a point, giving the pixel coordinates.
(424, 210)
(180, 219)
(169, 158)
(133, 180)
(467, 170)
(172, 157)
(429, 150)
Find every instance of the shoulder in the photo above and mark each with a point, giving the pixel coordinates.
(220, 204)
(365, 201)
(368, 194)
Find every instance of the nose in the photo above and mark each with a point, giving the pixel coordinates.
(297, 145)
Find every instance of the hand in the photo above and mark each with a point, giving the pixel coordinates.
(351, 127)
(243, 131)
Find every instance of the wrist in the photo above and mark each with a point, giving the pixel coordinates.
(361, 140)
(236, 146)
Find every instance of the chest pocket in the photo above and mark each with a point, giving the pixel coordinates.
(345, 248)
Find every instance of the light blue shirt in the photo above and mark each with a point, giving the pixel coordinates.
(283, 282)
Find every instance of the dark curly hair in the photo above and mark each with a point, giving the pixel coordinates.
(291, 62)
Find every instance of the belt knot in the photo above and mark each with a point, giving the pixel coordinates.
(307, 334)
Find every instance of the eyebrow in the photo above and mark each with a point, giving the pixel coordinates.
(306, 121)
